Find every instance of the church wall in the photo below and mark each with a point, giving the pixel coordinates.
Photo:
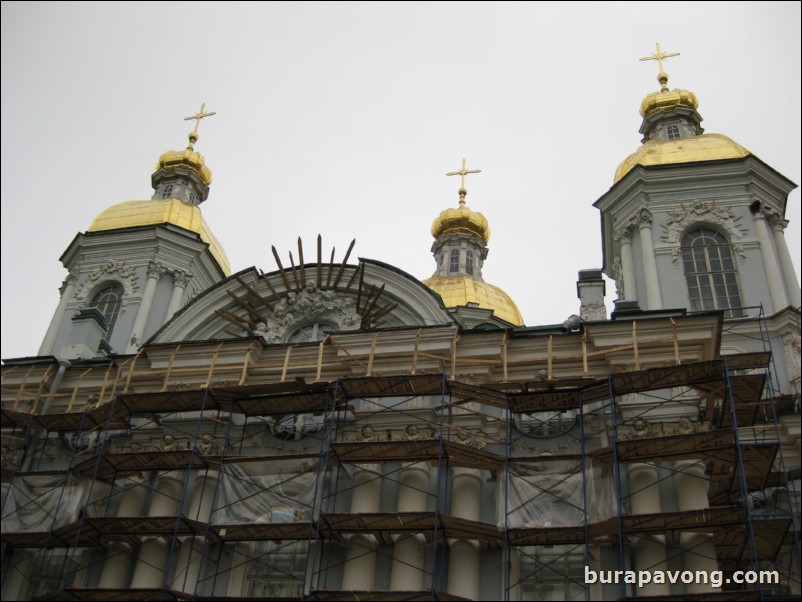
(673, 288)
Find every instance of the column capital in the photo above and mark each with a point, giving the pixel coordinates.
(643, 219)
(181, 278)
(624, 236)
(694, 468)
(417, 467)
(459, 471)
(155, 269)
(371, 468)
(776, 221)
(639, 467)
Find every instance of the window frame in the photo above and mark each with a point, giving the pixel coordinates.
(453, 261)
(102, 306)
(716, 287)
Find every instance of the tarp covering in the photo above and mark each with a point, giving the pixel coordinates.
(39, 503)
(266, 492)
(552, 494)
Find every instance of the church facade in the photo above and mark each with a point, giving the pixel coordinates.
(337, 429)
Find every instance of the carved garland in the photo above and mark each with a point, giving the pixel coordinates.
(699, 213)
(112, 270)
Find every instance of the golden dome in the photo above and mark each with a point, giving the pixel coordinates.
(131, 214)
(461, 219)
(461, 289)
(705, 147)
(668, 100)
(189, 159)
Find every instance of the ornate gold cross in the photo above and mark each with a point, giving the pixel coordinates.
(193, 137)
(463, 172)
(662, 77)
(659, 56)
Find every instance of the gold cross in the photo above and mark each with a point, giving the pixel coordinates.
(193, 137)
(463, 172)
(659, 56)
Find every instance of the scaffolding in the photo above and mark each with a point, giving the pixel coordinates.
(232, 470)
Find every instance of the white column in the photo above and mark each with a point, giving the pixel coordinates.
(771, 263)
(360, 556)
(117, 566)
(778, 225)
(627, 265)
(650, 552)
(699, 554)
(151, 565)
(119, 555)
(180, 280)
(407, 572)
(58, 318)
(200, 507)
(463, 555)
(155, 271)
(653, 295)
(188, 564)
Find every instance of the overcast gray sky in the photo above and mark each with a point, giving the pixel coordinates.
(343, 118)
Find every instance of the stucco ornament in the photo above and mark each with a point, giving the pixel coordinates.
(117, 271)
(310, 305)
(700, 213)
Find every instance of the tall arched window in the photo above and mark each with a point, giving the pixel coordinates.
(453, 262)
(710, 272)
(109, 300)
(469, 262)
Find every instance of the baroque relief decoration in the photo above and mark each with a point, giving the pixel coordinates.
(72, 278)
(793, 344)
(119, 271)
(643, 429)
(618, 276)
(293, 426)
(474, 439)
(592, 427)
(699, 213)
(309, 304)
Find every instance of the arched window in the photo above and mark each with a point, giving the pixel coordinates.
(108, 301)
(710, 272)
(469, 262)
(453, 262)
(311, 332)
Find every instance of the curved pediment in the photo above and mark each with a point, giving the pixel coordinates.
(301, 303)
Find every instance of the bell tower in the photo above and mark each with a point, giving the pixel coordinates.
(138, 263)
(695, 220)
